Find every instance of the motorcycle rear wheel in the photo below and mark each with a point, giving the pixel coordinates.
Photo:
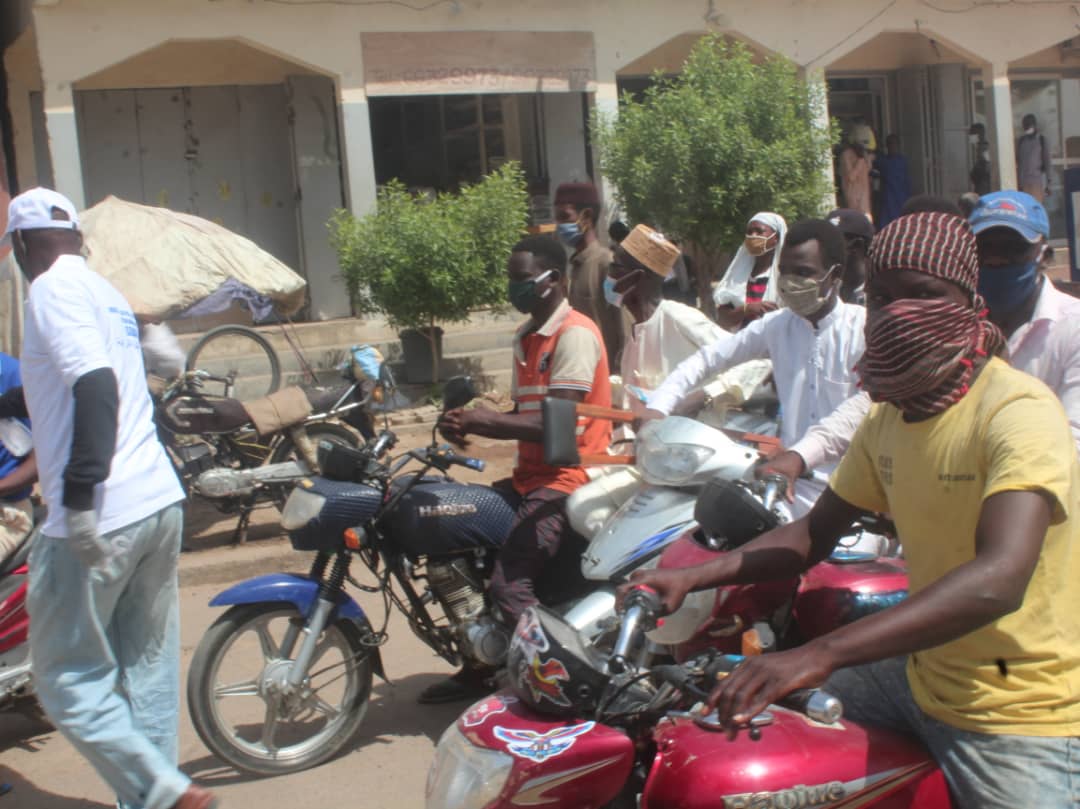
(253, 746)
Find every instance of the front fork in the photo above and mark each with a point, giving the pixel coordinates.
(309, 632)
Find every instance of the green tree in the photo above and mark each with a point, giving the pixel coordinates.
(702, 152)
(421, 261)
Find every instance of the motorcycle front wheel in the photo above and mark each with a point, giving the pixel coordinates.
(244, 711)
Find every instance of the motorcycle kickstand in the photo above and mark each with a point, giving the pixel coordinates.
(240, 535)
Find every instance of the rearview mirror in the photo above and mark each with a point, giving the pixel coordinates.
(458, 392)
(560, 432)
(386, 376)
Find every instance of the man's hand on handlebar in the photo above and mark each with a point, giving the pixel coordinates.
(671, 586)
(453, 426)
(787, 464)
(758, 682)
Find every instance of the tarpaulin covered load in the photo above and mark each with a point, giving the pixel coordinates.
(166, 263)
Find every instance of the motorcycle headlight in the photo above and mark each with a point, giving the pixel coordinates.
(665, 464)
(463, 776)
(301, 507)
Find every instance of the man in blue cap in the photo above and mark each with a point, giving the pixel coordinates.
(1042, 323)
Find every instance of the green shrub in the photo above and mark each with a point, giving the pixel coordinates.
(704, 151)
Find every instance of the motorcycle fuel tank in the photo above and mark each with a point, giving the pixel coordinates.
(536, 760)
(836, 593)
(796, 764)
(646, 523)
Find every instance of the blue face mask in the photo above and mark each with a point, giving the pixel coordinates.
(569, 233)
(610, 295)
(1006, 288)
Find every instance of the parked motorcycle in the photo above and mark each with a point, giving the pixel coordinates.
(16, 686)
(578, 728)
(221, 457)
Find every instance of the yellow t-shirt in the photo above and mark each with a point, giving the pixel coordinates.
(1008, 433)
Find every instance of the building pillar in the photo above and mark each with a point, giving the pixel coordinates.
(819, 89)
(999, 95)
(63, 132)
(605, 104)
(360, 186)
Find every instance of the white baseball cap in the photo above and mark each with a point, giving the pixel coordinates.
(33, 210)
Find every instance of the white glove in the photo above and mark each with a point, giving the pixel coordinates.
(83, 537)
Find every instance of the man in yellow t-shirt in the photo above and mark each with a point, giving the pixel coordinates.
(975, 462)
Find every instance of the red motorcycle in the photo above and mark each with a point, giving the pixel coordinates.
(579, 728)
(15, 682)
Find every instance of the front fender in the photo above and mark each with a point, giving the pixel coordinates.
(301, 592)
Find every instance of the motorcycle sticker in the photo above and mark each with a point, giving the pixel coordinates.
(479, 713)
(530, 633)
(543, 679)
(540, 747)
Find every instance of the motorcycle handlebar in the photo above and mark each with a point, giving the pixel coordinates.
(445, 458)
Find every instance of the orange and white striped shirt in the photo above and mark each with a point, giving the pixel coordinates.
(565, 353)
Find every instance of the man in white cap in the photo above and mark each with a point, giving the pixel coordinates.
(102, 600)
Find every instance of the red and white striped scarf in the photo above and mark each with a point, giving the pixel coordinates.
(921, 355)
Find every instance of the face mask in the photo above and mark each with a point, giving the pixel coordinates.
(610, 295)
(569, 233)
(1006, 288)
(1029, 131)
(974, 139)
(920, 354)
(803, 295)
(758, 245)
(522, 294)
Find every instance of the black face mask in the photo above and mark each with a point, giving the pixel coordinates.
(522, 294)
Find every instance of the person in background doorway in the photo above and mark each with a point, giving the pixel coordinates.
(1033, 160)
(981, 174)
(577, 212)
(858, 233)
(748, 289)
(855, 167)
(892, 167)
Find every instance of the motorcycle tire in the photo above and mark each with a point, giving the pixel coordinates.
(221, 367)
(258, 757)
(320, 431)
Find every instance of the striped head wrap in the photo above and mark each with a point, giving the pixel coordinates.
(921, 355)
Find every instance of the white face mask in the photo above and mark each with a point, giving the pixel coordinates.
(1029, 131)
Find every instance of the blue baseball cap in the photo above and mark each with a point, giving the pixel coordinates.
(1014, 210)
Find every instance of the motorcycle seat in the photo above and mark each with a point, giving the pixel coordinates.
(196, 415)
(17, 558)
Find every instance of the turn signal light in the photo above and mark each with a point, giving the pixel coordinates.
(354, 538)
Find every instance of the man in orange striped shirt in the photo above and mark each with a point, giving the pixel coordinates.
(558, 352)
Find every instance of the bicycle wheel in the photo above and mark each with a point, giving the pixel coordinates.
(242, 352)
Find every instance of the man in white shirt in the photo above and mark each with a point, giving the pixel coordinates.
(664, 332)
(103, 593)
(813, 343)
(1041, 323)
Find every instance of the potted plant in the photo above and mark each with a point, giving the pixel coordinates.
(422, 261)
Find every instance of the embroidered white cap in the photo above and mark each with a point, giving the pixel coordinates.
(34, 210)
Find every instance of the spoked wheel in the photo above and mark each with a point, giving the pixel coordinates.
(243, 707)
(242, 352)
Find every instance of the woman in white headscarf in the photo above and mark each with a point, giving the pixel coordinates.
(748, 289)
